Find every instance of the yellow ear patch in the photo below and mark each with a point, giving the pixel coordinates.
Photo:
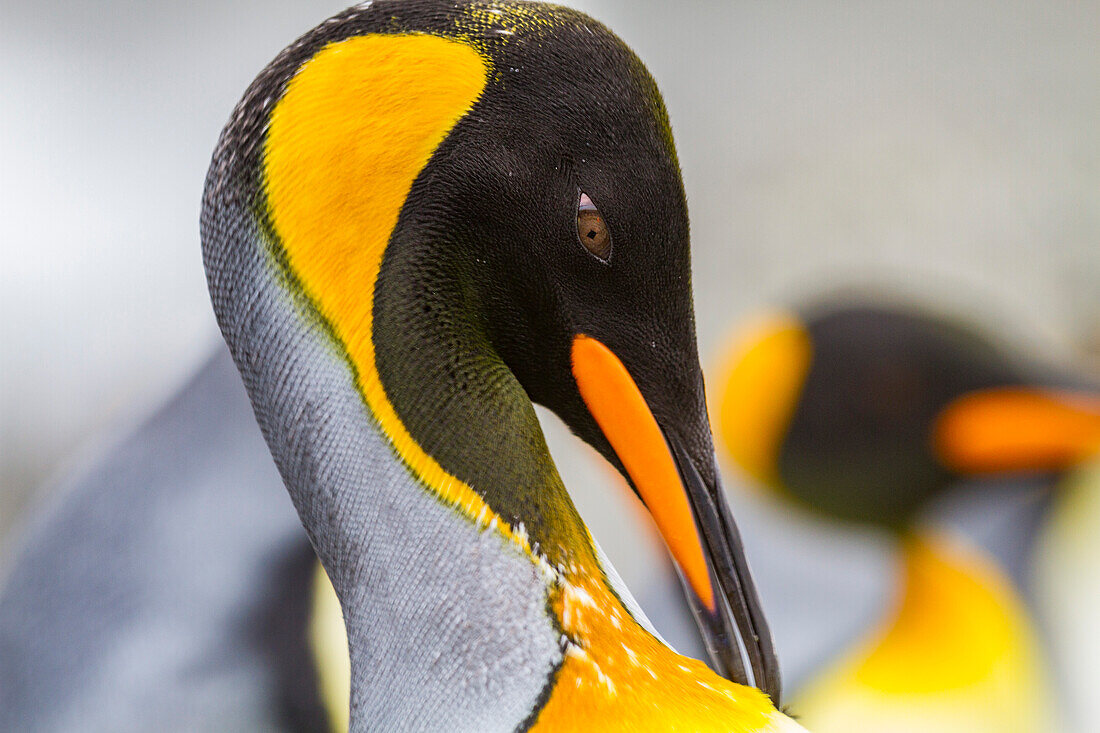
(355, 127)
(760, 386)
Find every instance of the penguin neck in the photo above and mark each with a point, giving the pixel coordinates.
(461, 404)
(442, 530)
(455, 394)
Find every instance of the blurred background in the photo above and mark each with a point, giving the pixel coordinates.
(945, 151)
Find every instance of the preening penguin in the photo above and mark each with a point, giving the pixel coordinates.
(422, 217)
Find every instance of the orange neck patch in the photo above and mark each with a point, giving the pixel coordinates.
(617, 676)
(957, 619)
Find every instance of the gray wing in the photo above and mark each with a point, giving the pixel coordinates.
(1004, 516)
(142, 600)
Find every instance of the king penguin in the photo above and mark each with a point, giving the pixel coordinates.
(422, 217)
(866, 411)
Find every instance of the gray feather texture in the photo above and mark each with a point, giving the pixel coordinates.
(447, 623)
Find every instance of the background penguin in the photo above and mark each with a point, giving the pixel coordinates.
(958, 653)
(864, 411)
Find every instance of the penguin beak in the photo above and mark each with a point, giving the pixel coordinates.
(1017, 429)
(690, 512)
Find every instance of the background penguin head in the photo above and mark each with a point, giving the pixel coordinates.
(850, 408)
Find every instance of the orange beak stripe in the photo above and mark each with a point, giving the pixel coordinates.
(617, 404)
(1018, 429)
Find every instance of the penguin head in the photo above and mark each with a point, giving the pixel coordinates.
(865, 411)
(834, 406)
(559, 204)
(480, 204)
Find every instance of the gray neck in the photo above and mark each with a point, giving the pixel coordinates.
(447, 625)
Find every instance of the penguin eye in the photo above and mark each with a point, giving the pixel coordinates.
(592, 230)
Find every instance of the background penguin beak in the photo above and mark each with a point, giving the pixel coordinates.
(1017, 429)
(690, 513)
